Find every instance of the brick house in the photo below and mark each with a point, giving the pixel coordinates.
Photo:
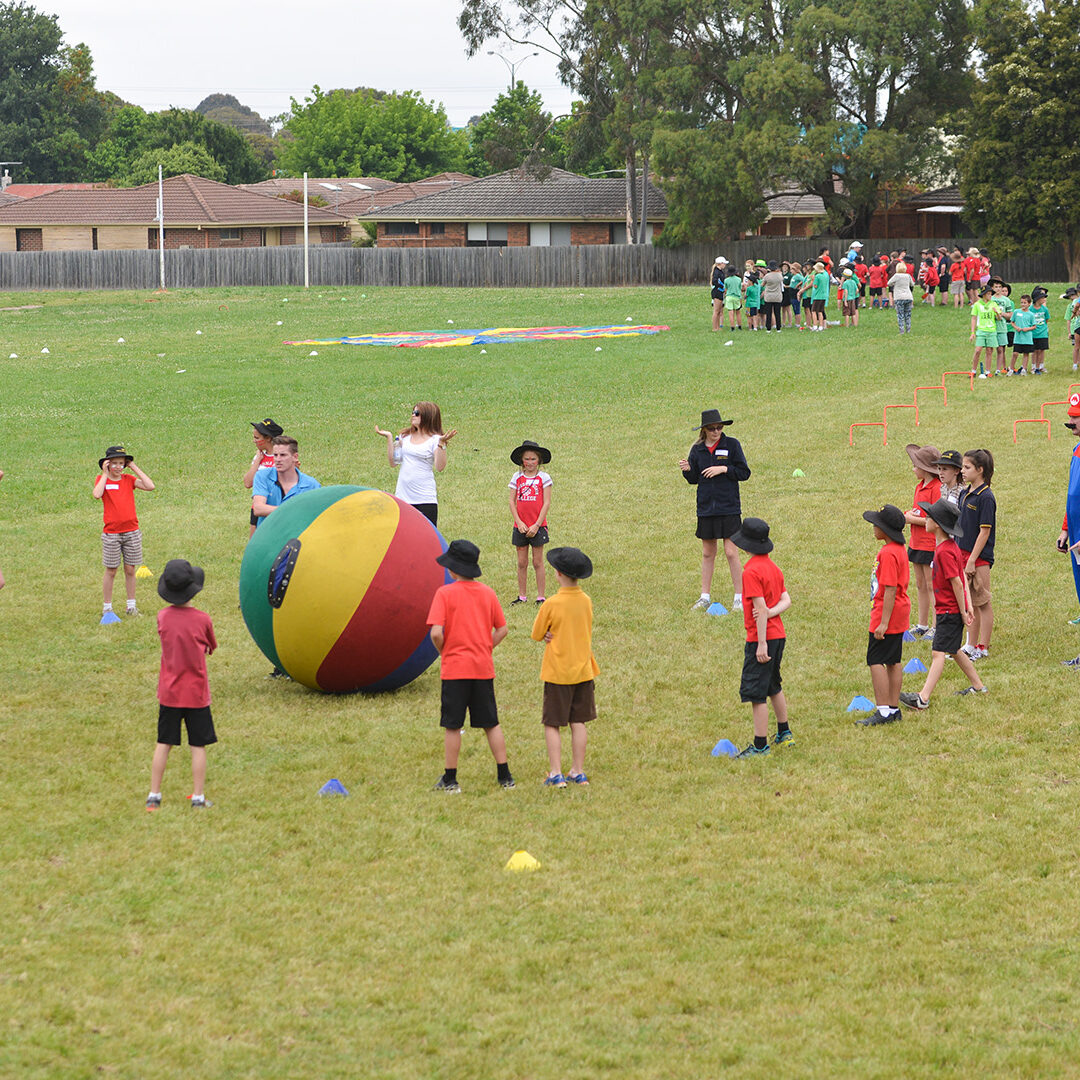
(199, 213)
(514, 209)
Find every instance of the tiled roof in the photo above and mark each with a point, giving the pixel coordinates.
(189, 200)
(29, 191)
(516, 194)
(334, 191)
(6, 199)
(935, 197)
(398, 193)
(795, 205)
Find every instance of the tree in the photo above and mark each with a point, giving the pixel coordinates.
(515, 129)
(1020, 172)
(50, 112)
(362, 133)
(185, 157)
(227, 110)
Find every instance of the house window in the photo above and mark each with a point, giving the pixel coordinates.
(229, 236)
(27, 239)
(486, 234)
(93, 239)
(618, 233)
(437, 228)
(539, 235)
(560, 234)
(402, 228)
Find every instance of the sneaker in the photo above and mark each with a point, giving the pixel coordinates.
(507, 783)
(1023, 371)
(875, 718)
(277, 673)
(914, 701)
(555, 780)
(969, 651)
(451, 787)
(736, 604)
(1074, 664)
(578, 778)
(700, 605)
(753, 751)
(919, 631)
(783, 738)
(540, 600)
(519, 600)
(153, 802)
(968, 690)
(1075, 622)
(133, 611)
(200, 804)
(1074, 367)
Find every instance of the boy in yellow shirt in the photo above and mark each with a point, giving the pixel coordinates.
(564, 621)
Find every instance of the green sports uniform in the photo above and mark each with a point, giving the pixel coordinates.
(733, 292)
(1007, 307)
(986, 321)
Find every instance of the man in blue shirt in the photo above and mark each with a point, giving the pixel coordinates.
(273, 486)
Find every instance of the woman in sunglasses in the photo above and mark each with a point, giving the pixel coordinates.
(419, 451)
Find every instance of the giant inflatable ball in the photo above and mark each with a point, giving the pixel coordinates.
(336, 585)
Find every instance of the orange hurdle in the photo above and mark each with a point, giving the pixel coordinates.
(1046, 422)
(869, 423)
(1042, 411)
(1072, 387)
(970, 377)
(885, 413)
(944, 393)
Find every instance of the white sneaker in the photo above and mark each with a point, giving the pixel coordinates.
(969, 651)
(700, 604)
(980, 654)
(736, 604)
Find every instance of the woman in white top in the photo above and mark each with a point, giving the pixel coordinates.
(420, 452)
(900, 286)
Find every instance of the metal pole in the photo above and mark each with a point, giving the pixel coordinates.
(161, 229)
(307, 278)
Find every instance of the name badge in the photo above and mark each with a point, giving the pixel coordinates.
(720, 453)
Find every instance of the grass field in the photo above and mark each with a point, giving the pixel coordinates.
(895, 902)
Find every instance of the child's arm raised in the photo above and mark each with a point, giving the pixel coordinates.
(142, 481)
(99, 486)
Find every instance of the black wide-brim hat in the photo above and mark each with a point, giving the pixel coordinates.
(527, 444)
(115, 452)
(462, 558)
(753, 536)
(571, 561)
(951, 458)
(180, 581)
(267, 428)
(944, 513)
(889, 519)
(710, 416)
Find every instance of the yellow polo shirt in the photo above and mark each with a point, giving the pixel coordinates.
(568, 657)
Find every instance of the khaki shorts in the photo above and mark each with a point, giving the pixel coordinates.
(979, 586)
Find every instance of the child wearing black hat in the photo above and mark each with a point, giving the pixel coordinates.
(889, 614)
(530, 497)
(263, 433)
(952, 604)
(569, 667)
(716, 465)
(187, 639)
(765, 599)
(121, 538)
(466, 624)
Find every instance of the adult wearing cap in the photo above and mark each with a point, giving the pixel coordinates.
(263, 432)
(716, 285)
(772, 296)
(1069, 538)
(717, 465)
(854, 250)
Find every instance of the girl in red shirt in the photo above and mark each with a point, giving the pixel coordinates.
(921, 545)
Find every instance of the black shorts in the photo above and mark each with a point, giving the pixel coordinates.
(916, 555)
(717, 294)
(876, 290)
(718, 527)
(429, 510)
(519, 539)
(889, 650)
(199, 724)
(569, 703)
(943, 286)
(752, 311)
(476, 695)
(1040, 344)
(1009, 338)
(761, 681)
(1023, 349)
(254, 519)
(948, 632)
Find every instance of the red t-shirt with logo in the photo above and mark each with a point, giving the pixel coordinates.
(529, 495)
(891, 568)
(467, 611)
(118, 504)
(927, 491)
(762, 577)
(187, 638)
(948, 563)
(878, 275)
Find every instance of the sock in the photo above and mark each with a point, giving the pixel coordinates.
(131, 605)
(884, 710)
(106, 607)
(196, 799)
(760, 742)
(738, 597)
(705, 596)
(154, 795)
(503, 770)
(781, 728)
(450, 776)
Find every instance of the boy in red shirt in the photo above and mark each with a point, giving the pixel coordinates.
(466, 624)
(121, 537)
(764, 599)
(889, 614)
(187, 639)
(951, 603)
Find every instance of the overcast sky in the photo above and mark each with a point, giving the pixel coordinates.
(156, 56)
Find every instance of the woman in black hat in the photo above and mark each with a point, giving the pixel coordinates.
(717, 466)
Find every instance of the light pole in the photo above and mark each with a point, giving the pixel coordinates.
(512, 65)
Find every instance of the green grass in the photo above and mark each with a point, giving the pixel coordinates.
(871, 903)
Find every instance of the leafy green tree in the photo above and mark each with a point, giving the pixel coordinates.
(50, 112)
(514, 130)
(1020, 172)
(227, 110)
(361, 133)
(185, 157)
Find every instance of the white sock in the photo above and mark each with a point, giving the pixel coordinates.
(131, 605)
(106, 607)
(738, 597)
(198, 798)
(884, 710)
(154, 795)
(705, 596)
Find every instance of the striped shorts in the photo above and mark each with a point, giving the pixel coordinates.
(127, 544)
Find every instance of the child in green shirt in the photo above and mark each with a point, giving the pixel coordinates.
(984, 322)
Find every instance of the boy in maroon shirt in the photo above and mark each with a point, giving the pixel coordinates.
(764, 599)
(187, 638)
(889, 614)
(951, 602)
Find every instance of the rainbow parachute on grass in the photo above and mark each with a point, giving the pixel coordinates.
(441, 339)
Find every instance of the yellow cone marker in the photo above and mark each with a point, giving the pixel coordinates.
(521, 861)
(144, 572)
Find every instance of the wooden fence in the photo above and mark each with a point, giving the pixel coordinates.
(509, 267)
